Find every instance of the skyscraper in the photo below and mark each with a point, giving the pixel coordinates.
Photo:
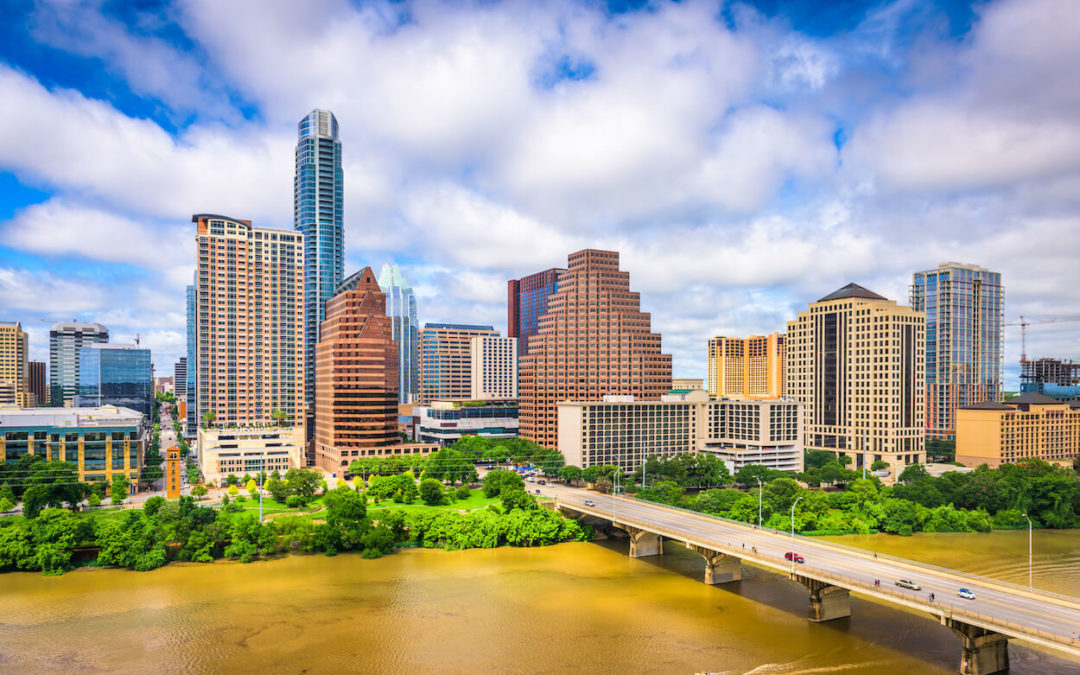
(751, 367)
(36, 385)
(317, 214)
(494, 367)
(119, 375)
(401, 308)
(192, 366)
(592, 341)
(856, 362)
(250, 333)
(14, 351)
(65, 341)
(446, 360)
(180, 378)
(964, 337)
(356, 375)
(526, 302)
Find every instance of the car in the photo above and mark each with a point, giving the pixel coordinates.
(965, 594)
(908, 583)
(530, 479)
(589, 502)
(541, 482)
(792, 555)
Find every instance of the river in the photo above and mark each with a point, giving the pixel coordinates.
(582, 607)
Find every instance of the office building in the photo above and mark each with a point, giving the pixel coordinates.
(191, 420)
(445, 422)
(750, 367)
(963, 305)
(625, 432)
(100, 442)
(180, 378)
(401, 308)
(65, 341)
(446, 360)
(356, 375)
(36, 385)
(1051, 377)
(318, 196)
(250, 333)
(14, 371)
(527, 299)
(1031, 426)
(593, 340)
(494, 367)
(117, 375)
(855, 361)
(249, 450)
(687, 383)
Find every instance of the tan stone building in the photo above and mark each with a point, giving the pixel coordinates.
(249, 450)
(494, 368)
(446, 360)
(1030, 426)
(593, 340)
(687, 383)
(249, 314)
(856, 361)
(14, 352)
(750, 367)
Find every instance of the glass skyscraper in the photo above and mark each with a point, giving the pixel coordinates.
(401, 307)
(527, 301)
(964, 305)
(317, 213)
(118, 375)
(65, 341)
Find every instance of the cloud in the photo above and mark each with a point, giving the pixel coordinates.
(46, 293)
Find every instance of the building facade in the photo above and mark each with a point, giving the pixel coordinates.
(174, 479)
(318, 199)
(14, 368)
(401, 308)
(118, 375)
(446, 360)
(856, 362)
(445, 422)
(750, 367)
(494, 367)
(250, 332)
(964, 307)
(100, 442)
(592, 341)
(1051, 377)
(526, 302)
(625, 432)
(356, 375)
(1032, 426)
(191, 420)
(36, 385)
(249, 450)
(180, 379)
(65, 341)
(687, 383)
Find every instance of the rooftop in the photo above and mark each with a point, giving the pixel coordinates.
(1034, 397)
(852, 290)
(67, 417)
(987, 405)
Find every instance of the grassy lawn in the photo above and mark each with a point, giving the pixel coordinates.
(271, 505)
(476, 500)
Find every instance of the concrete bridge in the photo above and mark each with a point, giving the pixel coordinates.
(830, 572)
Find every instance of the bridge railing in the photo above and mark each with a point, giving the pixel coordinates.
(975, 578)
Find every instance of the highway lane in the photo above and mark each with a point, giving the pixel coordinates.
(996, 605)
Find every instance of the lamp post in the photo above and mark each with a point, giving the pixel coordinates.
(793, 534)
(759, 489)
(1029, 550)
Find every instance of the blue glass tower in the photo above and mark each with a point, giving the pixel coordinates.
(401, 307)
(317, 214)
(115, 375)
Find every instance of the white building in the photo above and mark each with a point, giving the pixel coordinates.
(249, 450)
(494, 367)
(444, 422)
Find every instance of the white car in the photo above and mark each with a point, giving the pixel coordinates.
(589, 502)
(966, 594)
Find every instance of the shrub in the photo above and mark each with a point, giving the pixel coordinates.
(463, 492)
(295, 501)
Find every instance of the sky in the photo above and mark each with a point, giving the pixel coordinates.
(745, 158)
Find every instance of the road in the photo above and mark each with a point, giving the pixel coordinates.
(1039, 617)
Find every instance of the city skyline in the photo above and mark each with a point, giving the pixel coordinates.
(790, 149)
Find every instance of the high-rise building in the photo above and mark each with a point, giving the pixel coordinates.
(356, 375)
(494, 367)
(250, 333)
(317, 214)
(964, 339)
(401, 308)
(180, 378)
(446, 360)
(750, 367)
(119, 375)
(526, 302)
(65, 341)
(14, 351)
(856, 362)
(593, 340)
(1051, 377)
(36, 385)
(192, 366)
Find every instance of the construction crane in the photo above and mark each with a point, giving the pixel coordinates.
(1024, 323)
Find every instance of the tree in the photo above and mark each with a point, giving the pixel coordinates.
(208, 418)
(252, 487)
(94, 500)
(52, 484)
(6, 504)
(119, 489)
(281, 416)
(233, 490)
(913, 473)
(431, 491)
(496, 480)
(516, 498)
(570, 473)
(198, 491)
(879, 465)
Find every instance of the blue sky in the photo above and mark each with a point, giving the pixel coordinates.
(745, 158)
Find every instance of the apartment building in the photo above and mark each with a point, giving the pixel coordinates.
(494, 367)
(14, 369)
(1032, 426)
(750, 367)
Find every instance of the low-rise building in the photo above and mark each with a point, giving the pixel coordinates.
(173, 468)
(1030, 426)
(444, 422)
(687, 383)
(100, 442)
(249, 450)
(624, 432)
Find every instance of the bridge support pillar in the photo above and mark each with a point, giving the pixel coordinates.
(827, 602)
(720, 568)
(983, 651)
(642, 542)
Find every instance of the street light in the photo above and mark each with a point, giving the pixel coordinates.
(793, 534)
(758, 501)
(1029, 550)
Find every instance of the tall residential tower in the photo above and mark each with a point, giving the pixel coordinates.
(14, 371)
(401, 308)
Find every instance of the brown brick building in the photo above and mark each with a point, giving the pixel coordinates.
(356, 375)
(594, 340)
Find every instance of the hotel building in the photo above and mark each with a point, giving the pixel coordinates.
(751, 367)
(1032, 426)
(65, 341)
(856, 362)
(14, 351)
(963, 305)
(446, 360)
(594, 340)
(494, 367)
